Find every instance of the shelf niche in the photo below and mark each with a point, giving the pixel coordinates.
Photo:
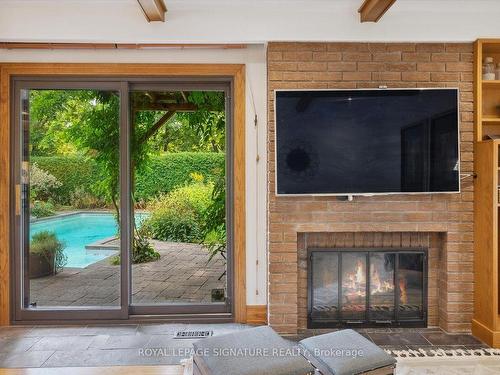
(487, 93)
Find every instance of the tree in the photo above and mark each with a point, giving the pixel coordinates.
(200, 130)
(209, 121)
(88, 122)
(92, 121)
(46, 132)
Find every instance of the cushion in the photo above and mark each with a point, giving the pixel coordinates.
(254, 351)
(344, 352)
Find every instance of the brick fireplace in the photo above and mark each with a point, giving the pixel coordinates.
(442, 224)
(366, 287)
(371, 242)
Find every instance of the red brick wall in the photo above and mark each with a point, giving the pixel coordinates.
(359, 65)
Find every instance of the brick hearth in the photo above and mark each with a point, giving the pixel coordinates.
(444, 219)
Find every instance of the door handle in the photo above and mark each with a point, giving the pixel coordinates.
(18, 199)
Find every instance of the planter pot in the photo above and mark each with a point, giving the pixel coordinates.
(40, 267)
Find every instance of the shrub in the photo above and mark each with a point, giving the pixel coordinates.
(42, 183)
(74, 172)
(142, 251)
(164, 173)
(161, 174)
(168, 225)
(178, 216)
(47, 245)
(83, 199)
(215, 241)
(42, 209)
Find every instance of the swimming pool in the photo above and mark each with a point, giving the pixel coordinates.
(81, 229)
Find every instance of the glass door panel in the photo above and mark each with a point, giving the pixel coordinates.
(411, 286)
(382, 286)
(178, 153)
(123, 200)
(325, 285)
(68, 143)
(354, 286)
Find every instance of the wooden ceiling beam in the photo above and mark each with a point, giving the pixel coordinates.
(373, 10)
(154, 10)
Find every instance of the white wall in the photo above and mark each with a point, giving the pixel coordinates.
(255, 59)
(252, 21)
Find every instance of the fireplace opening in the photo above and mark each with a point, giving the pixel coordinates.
(367, 287)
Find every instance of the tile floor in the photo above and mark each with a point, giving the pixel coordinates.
(410, 338)
(101, 345)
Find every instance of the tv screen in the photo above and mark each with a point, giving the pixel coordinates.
(373, 141)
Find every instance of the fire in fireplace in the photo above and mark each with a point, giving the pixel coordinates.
(368, 287)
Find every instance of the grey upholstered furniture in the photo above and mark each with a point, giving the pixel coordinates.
(249, 352)
(261, 351)
(346, 352)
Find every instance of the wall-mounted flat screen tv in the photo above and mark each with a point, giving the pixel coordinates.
(367, 141)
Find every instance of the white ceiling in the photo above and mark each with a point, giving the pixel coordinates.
(245, 21)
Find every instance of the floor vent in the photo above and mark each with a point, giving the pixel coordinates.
(193, 334)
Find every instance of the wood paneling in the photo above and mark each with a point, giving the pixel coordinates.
(486, 319)
(486, 308)
(257, 314)
(45, 46)
(478, 91)
(236, 71)
(485, 224)
(239, 216)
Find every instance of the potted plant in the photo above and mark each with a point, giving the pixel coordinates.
(46, 255)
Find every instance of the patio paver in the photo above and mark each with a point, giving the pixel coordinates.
(183, 274)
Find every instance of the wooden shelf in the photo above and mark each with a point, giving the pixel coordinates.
(486, 320)
(490, 119)
(489, 46)
(486, 92)
(491, 83)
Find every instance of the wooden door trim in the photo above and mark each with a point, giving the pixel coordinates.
(234, 71)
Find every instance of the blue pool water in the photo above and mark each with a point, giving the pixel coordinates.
(79, 230)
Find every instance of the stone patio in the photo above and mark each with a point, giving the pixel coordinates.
(182, 275)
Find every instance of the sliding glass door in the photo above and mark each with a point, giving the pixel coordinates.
(179, 149)
(122, 198)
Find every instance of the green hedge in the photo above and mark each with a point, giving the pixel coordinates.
(72, 171)
(161, 174)
(164, 173)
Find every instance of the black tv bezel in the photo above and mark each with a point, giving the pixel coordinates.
(350, 195)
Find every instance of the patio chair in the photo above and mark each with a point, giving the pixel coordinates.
(261, 351)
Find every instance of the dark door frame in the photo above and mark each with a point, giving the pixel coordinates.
(116, 72)
(20, 218)
(224, 85)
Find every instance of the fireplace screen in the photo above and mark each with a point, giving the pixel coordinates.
(367, 287)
